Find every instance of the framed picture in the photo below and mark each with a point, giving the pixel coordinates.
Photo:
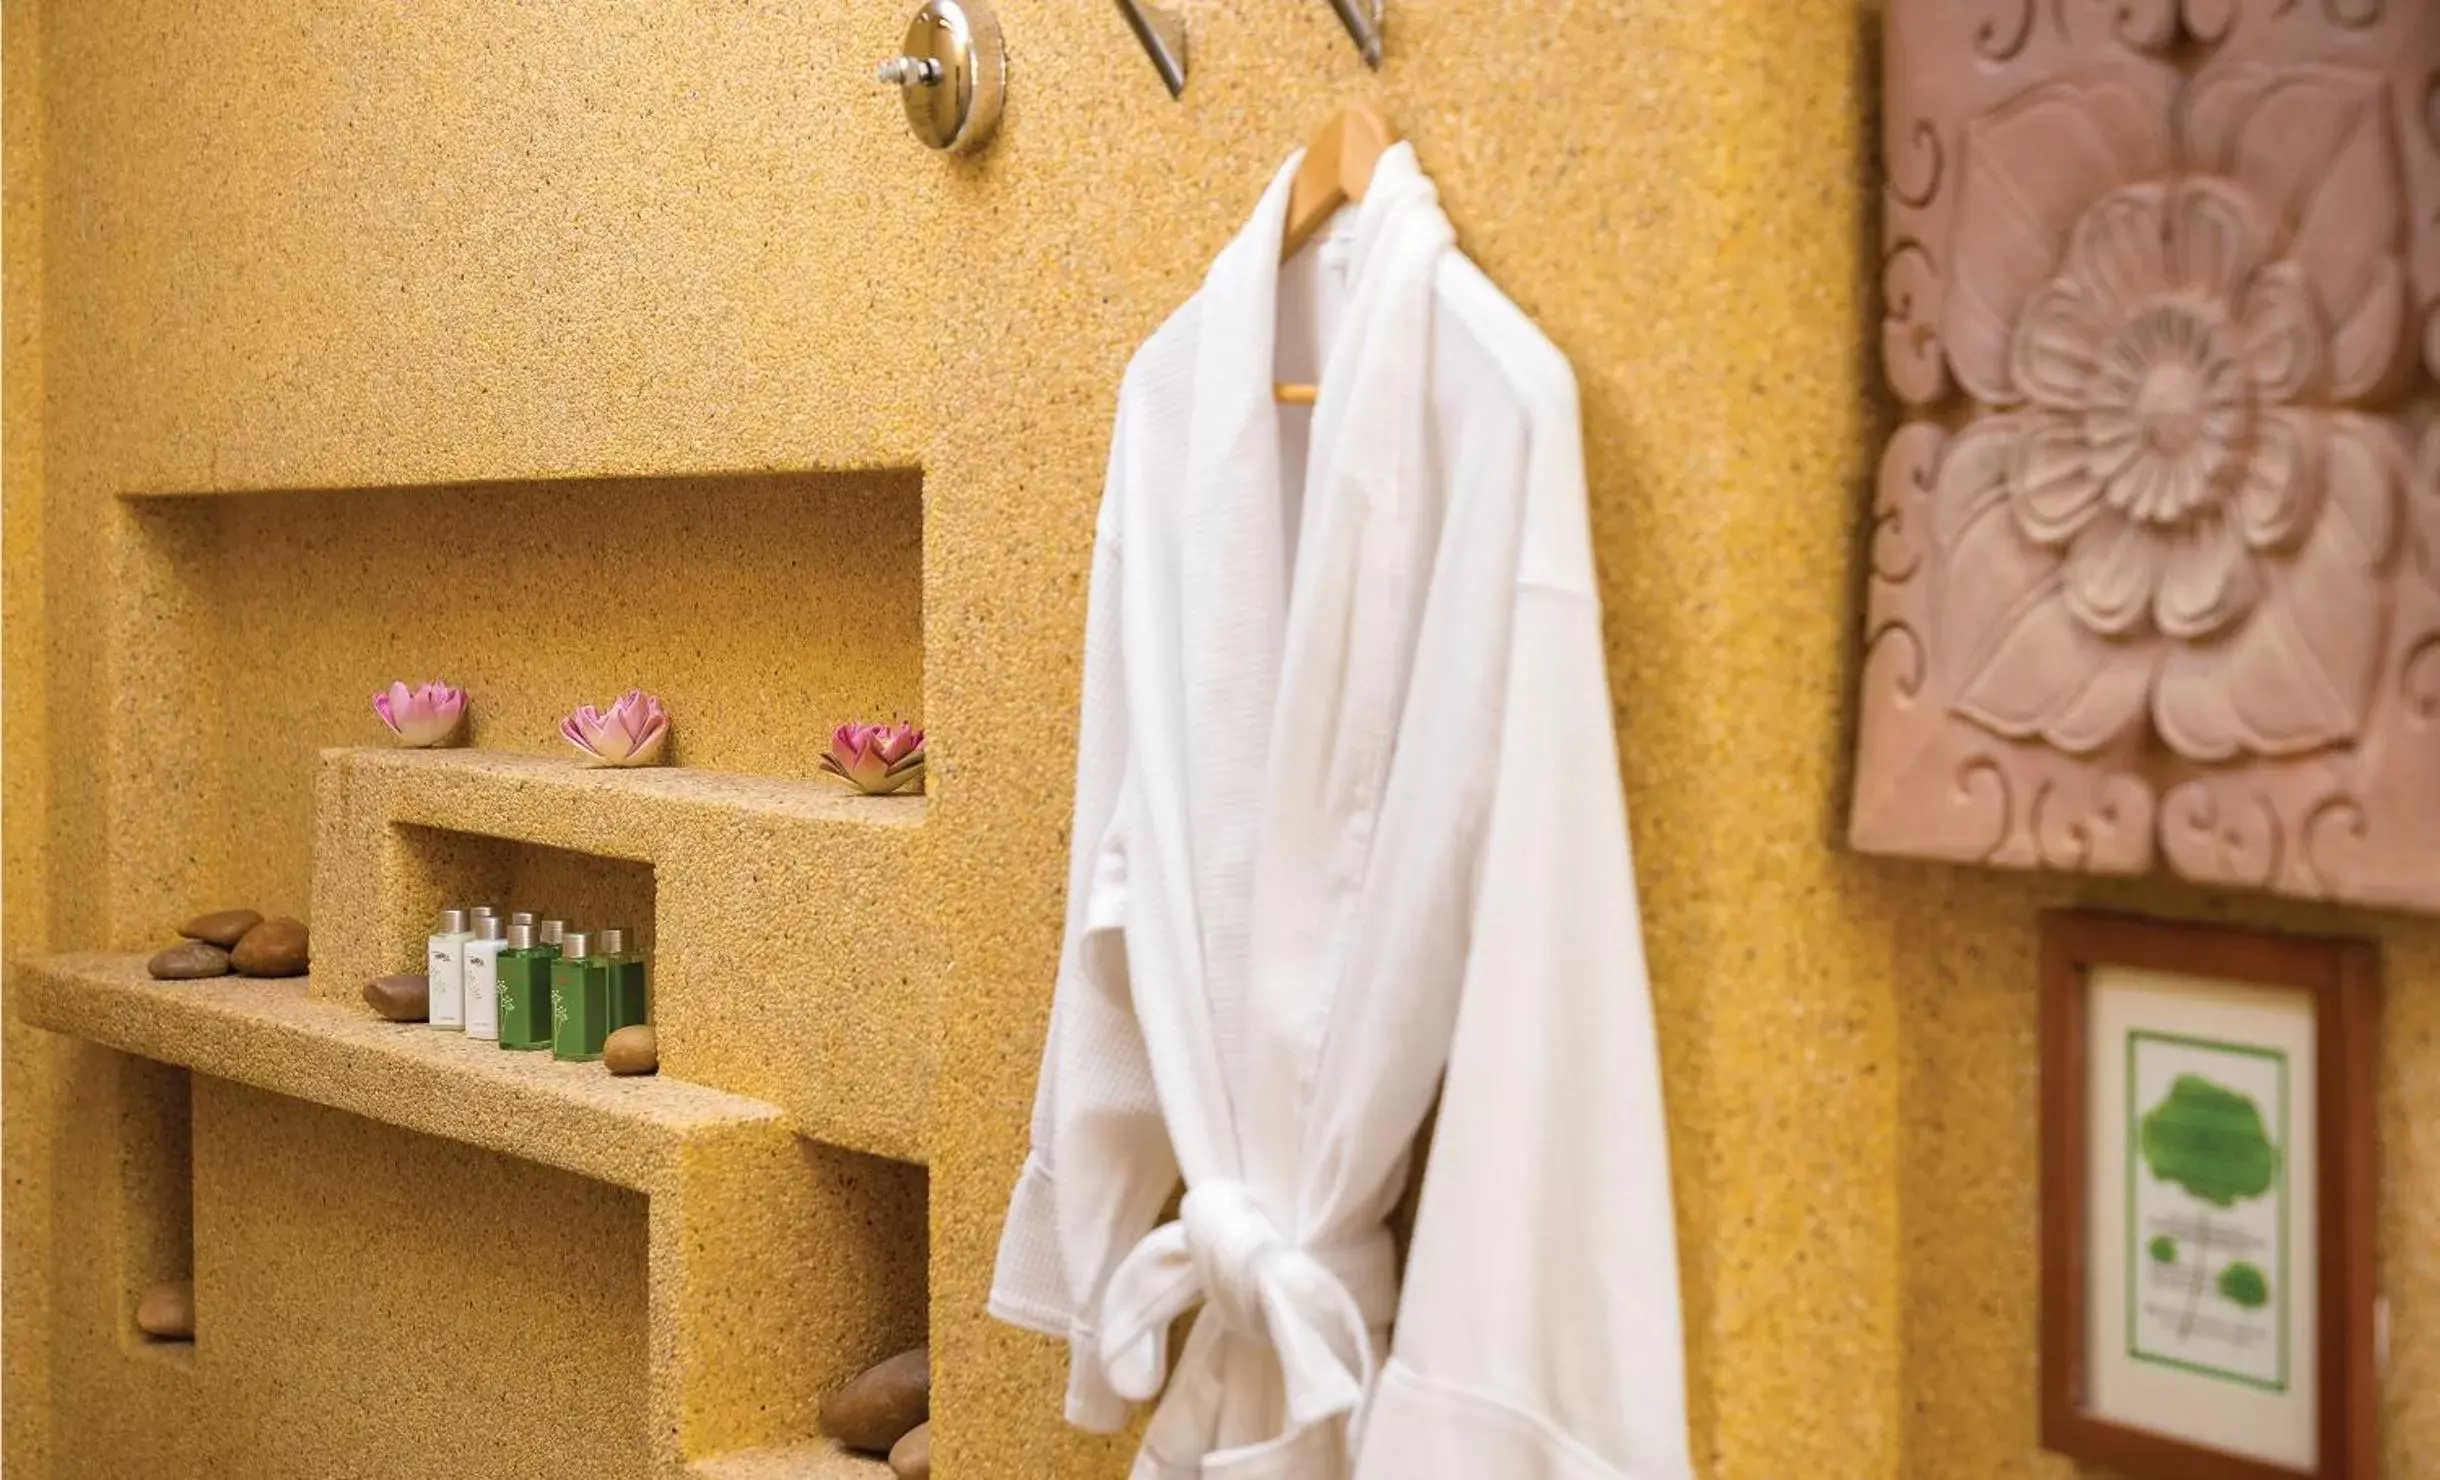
(2208, 1305)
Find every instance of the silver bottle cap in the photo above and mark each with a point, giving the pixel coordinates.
(549, 932)
(613, 942)
(483, 911)
(521, 917)
(490, 928)
(575, 945)
(521, 935)
(453, 922)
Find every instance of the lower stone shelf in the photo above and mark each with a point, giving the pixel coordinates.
(817, 1461)
(777, 1267)
(276, 1035)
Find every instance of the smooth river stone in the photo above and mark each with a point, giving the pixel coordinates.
(882, 1406)
(911, 1458)
(189, 960)
(166, 1311)
(277, 947)
(406, 998)
(634, 1049)
(223, 928)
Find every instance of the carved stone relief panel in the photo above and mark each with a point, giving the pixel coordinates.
(2155, 568)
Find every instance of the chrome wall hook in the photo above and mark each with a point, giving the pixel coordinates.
(1162, 33)
(952, 74)
(1362, 18)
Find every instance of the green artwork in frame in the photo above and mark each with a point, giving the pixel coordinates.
(2207, 1208)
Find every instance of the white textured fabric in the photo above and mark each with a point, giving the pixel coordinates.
(1348, 816)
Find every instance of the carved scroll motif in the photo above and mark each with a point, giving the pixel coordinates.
(2155, 576)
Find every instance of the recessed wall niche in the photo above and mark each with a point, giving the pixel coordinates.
(438, 869)
(156, 1189)
(761, 608)
(2155, 567)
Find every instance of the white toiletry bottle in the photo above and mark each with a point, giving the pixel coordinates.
(446, 974)
(483, 978)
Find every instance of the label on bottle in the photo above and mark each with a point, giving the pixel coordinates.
(483, 990)
(445, 984)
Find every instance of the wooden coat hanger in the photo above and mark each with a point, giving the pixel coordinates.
(1338, 168)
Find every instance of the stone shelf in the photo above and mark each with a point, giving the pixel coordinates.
(817, 1461)
(786, 919)
(278, 1036)
(777, 1268)
(614, 813)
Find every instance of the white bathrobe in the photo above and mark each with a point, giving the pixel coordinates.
(1349, 835)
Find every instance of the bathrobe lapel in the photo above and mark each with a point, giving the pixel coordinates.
(1366, 548)
(1223, 583)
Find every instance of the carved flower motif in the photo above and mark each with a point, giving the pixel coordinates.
(2165, 456)
(2169, 301)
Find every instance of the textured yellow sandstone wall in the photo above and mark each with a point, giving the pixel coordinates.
(26, 1064)
(615, 254)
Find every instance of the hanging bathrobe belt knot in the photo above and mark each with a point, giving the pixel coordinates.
(1315, 1308)
(1233, 1247)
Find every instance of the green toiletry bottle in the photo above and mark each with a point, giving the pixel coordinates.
(628, 1002)
(525, 989)
(580, 999)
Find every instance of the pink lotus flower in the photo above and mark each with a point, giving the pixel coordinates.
(876, 759)
(426, 716)
(630, 734)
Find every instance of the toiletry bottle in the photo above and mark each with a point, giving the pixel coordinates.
(445, 972)
(548, 933)
(628, 1005)
(580, 1007)
(522, 917)
(525, 989)
(483, 978)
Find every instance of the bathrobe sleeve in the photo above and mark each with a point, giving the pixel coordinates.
(1100, 1167)
(1538, 1336)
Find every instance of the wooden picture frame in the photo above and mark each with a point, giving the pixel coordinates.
(2214, 1421)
